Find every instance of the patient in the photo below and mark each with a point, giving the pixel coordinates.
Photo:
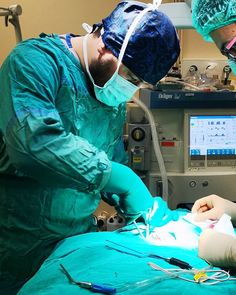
(217, 248)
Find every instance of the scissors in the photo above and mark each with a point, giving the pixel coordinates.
(97, 288)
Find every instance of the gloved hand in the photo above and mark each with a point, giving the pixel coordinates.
(217, 248)
(132, 199)
(127, 192)
(161, 214)
(213, 207)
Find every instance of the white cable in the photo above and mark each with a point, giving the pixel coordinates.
(157, 149)
(129, 33)
(137, 19)
(87, 28)
(218, 276)
(157, 3)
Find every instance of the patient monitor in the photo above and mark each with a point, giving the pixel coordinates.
(197, 136)
(210, 140)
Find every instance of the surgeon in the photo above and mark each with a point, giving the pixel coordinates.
(216, 20)
(63, 107)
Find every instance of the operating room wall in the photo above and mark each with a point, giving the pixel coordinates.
(51, 16)
(193, 46)
(60, 16)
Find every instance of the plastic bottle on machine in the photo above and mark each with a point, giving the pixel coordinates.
(209, 79)
(192, 76)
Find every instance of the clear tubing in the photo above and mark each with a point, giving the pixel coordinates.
(157, 149)
(142, 284)
(188, 85)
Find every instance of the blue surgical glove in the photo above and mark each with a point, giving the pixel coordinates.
(160, 213)
(127, 192)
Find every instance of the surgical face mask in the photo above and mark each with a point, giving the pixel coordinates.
(116, 90)
(232, 65)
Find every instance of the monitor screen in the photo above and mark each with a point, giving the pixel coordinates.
(212, 136)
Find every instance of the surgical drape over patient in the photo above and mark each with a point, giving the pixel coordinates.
(153, 47)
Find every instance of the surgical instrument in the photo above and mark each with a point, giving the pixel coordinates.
(141, 234)
(96, 288)
(174, 261)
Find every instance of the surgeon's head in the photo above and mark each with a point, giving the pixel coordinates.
(216, 20)
(153, 45)
(137, 45)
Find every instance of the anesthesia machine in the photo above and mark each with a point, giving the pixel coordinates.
(197, 139)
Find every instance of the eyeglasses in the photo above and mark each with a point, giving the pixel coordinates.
(229, 49)
(131, 77)
(137, 81)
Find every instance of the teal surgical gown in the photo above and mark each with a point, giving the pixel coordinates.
(56, 143)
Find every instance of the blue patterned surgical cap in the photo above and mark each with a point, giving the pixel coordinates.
(153, 46)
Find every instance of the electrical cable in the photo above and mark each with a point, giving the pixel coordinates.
(171, 260)
(201, 276)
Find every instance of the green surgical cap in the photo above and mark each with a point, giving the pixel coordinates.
(209, 15)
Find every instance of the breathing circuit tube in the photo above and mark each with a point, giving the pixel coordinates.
(156, 144)
(157, 149)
